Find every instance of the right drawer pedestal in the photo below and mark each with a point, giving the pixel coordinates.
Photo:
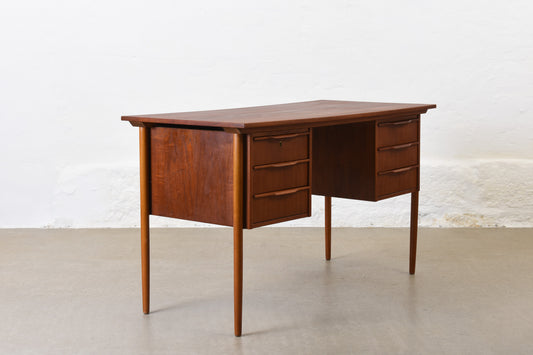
(368, 160)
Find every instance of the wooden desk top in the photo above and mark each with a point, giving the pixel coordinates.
(291, 115)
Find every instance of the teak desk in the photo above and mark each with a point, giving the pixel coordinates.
(254, 166)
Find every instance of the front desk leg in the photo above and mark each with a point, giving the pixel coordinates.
(327, 214)
(237, 230)
(144, 144)
(414, 230)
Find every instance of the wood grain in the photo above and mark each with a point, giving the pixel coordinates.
(360, 160)
(413, 232)
(280, 178)
(327, 222)
(344, 161)
(144, 147)
(396, 180)
(397, 132)
(278, 171)
(280, 148)
(192, 174)
(238, 188)
(286, 205)
(308, 114)
(397, 156)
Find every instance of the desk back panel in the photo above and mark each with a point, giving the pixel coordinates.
(343, 161)
(192, 174)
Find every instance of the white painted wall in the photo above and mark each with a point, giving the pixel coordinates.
(70, 69)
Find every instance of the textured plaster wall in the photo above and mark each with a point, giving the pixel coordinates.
(70, 69)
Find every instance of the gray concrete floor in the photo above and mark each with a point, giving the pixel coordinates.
(78, 292)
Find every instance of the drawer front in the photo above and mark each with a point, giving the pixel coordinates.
(280, 177)
(268, 209)
(396, 181)
(397, 156)
(397, 132)
(280, 148)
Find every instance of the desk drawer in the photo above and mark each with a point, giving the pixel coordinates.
(280, 205)
(397, 156)
(397, 132)
(280, 176)
(393, 181)
(280, 147)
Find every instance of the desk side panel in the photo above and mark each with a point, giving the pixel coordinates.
(192, 174)
(344, 161)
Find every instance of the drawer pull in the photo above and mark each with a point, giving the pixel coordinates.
(398, 147)
(281, 136)
(282, 192)
(397, 171)
(399, 123)
(281, 165)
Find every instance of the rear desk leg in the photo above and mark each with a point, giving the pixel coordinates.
(414, 229)
(237, 231)
(327, 213)
(144, 144)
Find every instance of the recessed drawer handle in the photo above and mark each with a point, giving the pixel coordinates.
(281, 165)
(281, 136)
(282, 192)
(399, 123)
(397, 171)
(398, 147)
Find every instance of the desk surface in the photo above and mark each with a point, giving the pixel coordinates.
(309, 113)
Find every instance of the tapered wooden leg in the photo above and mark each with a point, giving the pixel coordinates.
(144, 140)
(237, 231)
(327, 213)
(414, 230)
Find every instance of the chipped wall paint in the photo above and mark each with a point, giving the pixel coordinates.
(474, 193)
(69, 70)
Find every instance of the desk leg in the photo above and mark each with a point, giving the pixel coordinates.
(414, 230)
(144, 144)
(327, 213)
(237, 230)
